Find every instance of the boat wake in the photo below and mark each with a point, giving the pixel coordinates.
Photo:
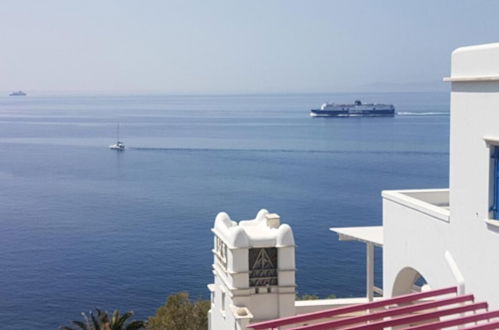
(439, 113)
(377, 152)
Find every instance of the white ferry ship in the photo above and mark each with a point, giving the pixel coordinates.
(357, 109)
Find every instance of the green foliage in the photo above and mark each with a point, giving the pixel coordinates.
(308, 297)
(101, 321)
(179, 313)
(313, 297)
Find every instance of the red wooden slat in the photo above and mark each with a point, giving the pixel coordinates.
(350, 309)
(484, 326)
(404, 310)
(459, 321)
(422, 317)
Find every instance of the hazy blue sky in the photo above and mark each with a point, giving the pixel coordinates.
(231, 46)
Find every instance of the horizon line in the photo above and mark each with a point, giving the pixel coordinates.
(164, 93)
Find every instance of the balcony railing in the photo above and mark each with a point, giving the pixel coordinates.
(432, 202)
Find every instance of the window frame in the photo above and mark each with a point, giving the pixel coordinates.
(494, 182)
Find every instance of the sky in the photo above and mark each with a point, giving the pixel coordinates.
(235, 46)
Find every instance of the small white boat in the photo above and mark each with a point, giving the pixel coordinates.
(120, 146)
(18, 93)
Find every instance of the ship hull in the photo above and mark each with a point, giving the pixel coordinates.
(349, 113)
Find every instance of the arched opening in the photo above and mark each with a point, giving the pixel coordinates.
(408, 280)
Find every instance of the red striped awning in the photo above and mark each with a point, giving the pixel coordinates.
(434, 309)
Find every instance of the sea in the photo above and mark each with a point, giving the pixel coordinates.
(84, 227)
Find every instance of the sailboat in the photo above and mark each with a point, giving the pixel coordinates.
(120, 146)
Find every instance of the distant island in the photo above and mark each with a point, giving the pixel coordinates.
(18, 93)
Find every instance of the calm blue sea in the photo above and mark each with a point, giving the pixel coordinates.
(82, 226)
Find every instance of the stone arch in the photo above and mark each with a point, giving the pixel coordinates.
(405, 281)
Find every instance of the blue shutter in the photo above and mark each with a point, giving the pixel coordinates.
(496, 182)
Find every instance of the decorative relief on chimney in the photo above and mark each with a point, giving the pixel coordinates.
(221, 251)
(262, 267)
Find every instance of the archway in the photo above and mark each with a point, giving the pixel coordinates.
(408, 280)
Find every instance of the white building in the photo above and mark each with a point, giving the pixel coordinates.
(448, 237)
(451, 236)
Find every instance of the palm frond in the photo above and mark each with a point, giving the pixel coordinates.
(115, 317)
(103, 316)
(122, 320)
(87, 325)
(95, 322)
(81, 325)
(135, 325)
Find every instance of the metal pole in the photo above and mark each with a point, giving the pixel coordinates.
(369, 271)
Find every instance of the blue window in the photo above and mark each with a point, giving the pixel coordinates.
(495, 192)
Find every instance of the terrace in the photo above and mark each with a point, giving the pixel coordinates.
(430, 202)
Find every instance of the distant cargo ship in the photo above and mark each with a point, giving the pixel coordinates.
(18, 93)
(357, 109)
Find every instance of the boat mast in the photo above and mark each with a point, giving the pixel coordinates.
(118, 133)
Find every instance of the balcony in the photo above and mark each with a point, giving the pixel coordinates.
(431, 202)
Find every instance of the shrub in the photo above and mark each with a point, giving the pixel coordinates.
(179, 313)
